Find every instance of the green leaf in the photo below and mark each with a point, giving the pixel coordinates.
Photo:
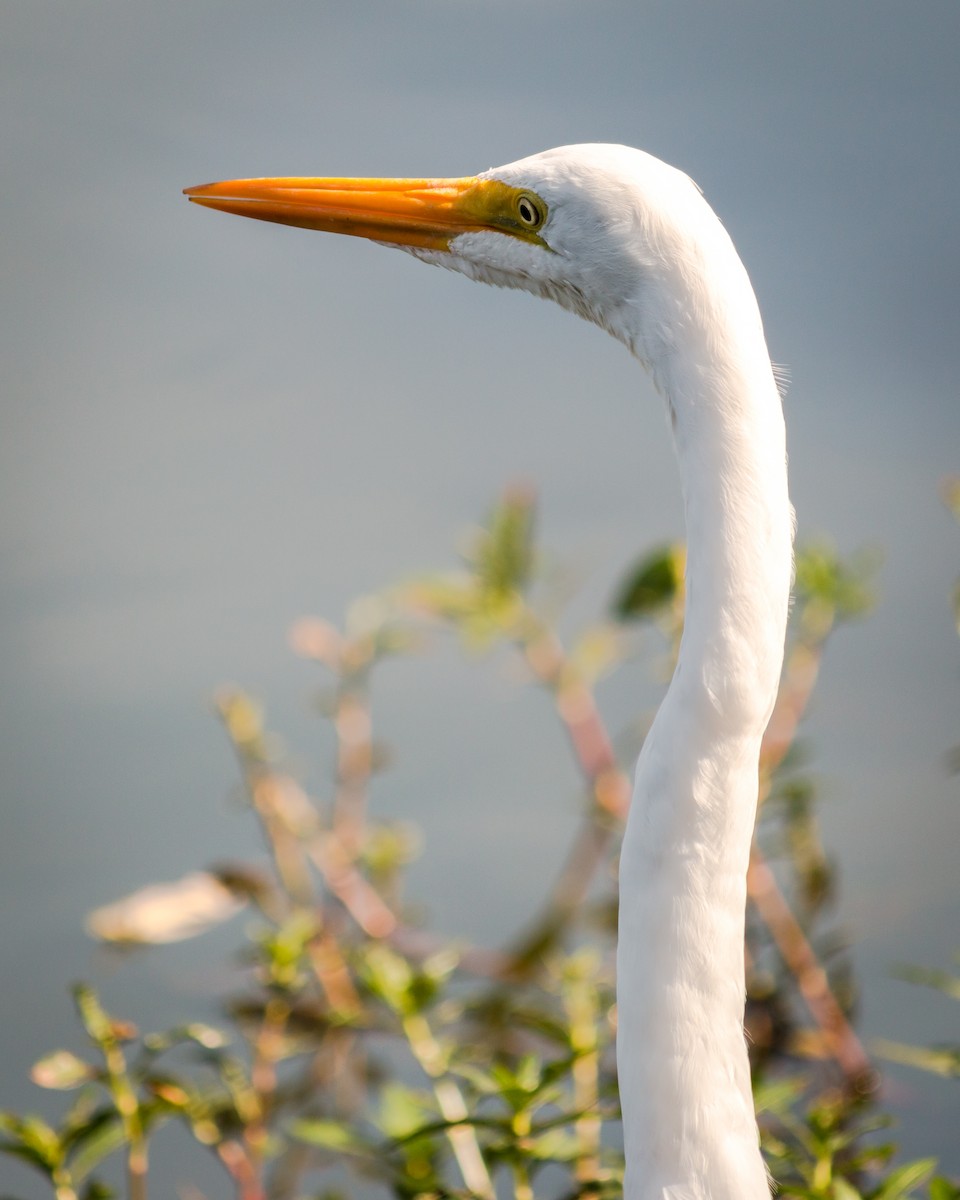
(451, 597)
(329, 1135)
(387, 848)
(503, 554)
(90, 1146)
(242, 717)
(842, 1189)
(428, 1130)
(481, 1079)
(777, 1095)
(939, 1060)
(529, 1073)
(61, 1070)
(34, 1141)
(652, 584)
(389, 976)
(828, 589)
(95, 1020)
(901, 1182)
(941, 981)
(205, 1036)
(26, 1154)
(557, 1145)
(401, 1109)
(95, 1190)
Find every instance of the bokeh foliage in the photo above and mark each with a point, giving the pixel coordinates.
(362, 1054)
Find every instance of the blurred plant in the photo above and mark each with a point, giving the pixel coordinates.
(363, 1047)
(942, 1059)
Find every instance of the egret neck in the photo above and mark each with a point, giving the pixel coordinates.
(689, 1125)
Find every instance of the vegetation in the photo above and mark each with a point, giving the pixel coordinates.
(364, 1055)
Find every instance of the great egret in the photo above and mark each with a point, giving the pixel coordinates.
(628, 242)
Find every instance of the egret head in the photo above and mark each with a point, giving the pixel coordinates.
(587, 226)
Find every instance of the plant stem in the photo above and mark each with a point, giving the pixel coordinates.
(263, 1079)
(63, 1189)
(580, 1002)
(105, 1033)
(811, 978)
(241, 1170)
(462, 1138)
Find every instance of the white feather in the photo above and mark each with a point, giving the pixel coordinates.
(634, 247)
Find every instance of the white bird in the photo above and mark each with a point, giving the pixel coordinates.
(628, 242)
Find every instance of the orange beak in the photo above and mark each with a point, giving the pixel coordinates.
(427, 213)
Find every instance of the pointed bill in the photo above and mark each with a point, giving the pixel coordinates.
(408, 212)
(426, 213)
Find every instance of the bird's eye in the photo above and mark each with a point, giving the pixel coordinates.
(530, 210)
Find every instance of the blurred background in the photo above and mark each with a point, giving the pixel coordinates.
(211, 427)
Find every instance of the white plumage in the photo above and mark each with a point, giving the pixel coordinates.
(627, 242)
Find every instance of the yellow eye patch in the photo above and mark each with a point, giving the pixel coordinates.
(498, 206)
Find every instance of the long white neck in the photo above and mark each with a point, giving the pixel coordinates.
(689, 1126)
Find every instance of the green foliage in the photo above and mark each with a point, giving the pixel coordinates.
(828, 590)
(485, 602)
(362, 1043)
(940, 1060)
(830, 1151)
(655, 583)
